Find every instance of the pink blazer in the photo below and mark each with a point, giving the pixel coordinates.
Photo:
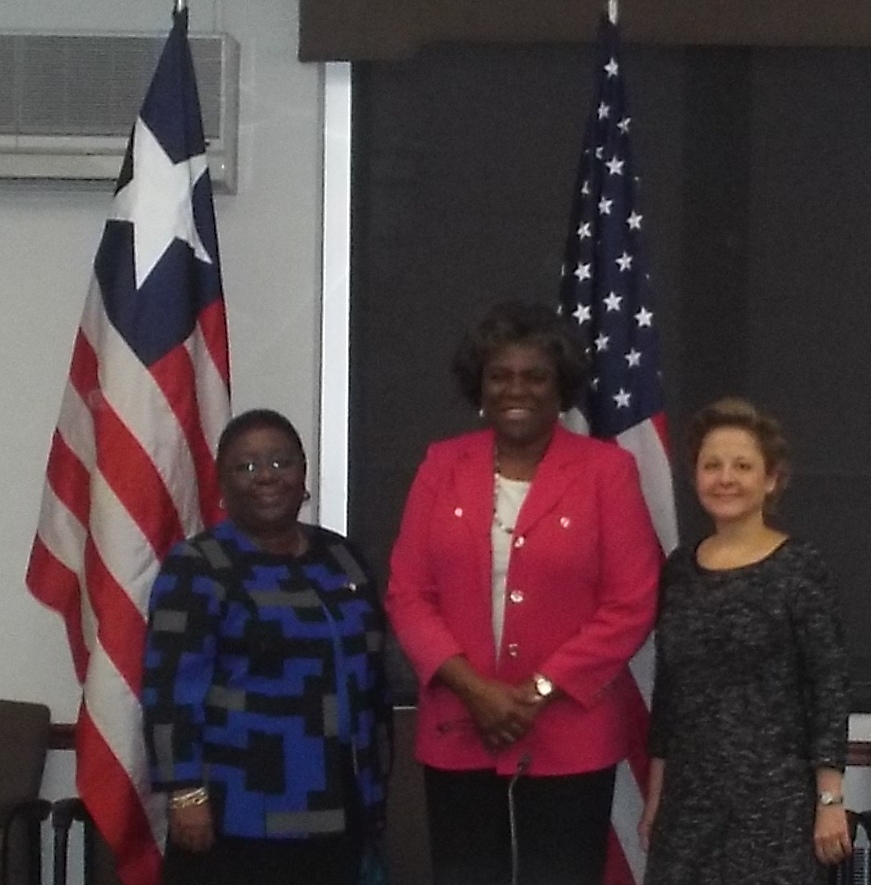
(581, 597)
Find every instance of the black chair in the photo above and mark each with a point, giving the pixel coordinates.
(99, 864)
(856, 869)
(24, 734)
(63, 813)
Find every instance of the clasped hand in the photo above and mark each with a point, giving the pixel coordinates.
(503, 713)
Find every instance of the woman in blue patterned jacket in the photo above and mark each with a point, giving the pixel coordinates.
(266, 717)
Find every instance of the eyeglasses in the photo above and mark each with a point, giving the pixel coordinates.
(273, 465)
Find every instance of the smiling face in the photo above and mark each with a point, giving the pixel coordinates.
(520, 395)
(732, 479)
(262, 476)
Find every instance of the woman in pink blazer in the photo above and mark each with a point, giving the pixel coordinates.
(522, 582)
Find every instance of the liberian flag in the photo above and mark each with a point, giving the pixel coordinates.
(131, 468)
(605, 287)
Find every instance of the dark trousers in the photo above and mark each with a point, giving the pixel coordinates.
(332, 860)
(561, 827)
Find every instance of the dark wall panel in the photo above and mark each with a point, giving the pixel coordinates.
(809, 304)
(755, 190)
(384, 29)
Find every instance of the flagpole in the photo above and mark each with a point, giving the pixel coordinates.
(612, 11)
(182, 4)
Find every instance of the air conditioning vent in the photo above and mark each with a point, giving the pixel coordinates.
(68, 104)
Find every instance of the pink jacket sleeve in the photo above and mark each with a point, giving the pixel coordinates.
(410, 599)
(629, 562)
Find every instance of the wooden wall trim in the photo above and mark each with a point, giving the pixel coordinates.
(63, 736)
(859, 753)
(359, 30)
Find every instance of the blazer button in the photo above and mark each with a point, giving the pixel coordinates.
(516, 596)
(565, 522)
(519, 542)
(513, 649)
(458, 511)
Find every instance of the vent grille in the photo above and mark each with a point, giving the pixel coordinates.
(91, 87)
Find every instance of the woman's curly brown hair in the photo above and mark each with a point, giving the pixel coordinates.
(733, 411)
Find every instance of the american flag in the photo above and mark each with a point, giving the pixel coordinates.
(131, 467)
(606, 288)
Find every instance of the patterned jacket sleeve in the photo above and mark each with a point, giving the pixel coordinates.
(381, 697)
(822, 662)
(412, 599)
(181, 642)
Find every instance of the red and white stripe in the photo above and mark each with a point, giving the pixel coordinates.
(131, 471)
(649, 444)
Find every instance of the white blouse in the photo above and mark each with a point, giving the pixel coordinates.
(508, 498)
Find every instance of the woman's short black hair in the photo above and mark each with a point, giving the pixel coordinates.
(255, 419)
(519, 322)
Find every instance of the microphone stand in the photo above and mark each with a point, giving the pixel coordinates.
(522, 767)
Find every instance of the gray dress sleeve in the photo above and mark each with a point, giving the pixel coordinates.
(822, 662)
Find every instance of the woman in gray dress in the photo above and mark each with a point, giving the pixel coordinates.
(749, 718)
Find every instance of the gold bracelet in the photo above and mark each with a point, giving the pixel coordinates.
(188, 799)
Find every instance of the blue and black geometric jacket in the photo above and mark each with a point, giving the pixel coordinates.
(263, 680)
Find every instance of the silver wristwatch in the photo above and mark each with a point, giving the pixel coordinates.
(827, 797)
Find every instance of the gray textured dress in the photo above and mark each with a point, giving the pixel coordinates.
(750, 697)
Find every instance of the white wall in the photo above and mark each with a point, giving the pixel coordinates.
(270, 247)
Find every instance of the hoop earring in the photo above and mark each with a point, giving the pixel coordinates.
(481, 413)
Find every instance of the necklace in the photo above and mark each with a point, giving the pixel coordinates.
(497, 521)
(510, 494)
(513, 493)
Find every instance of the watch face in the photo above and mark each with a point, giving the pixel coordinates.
(543, 686)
